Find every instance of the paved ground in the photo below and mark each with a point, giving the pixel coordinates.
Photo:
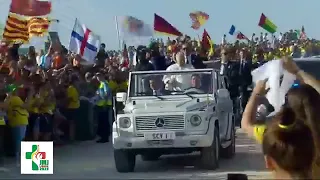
(88, 160)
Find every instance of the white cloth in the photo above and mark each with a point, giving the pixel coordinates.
(84, 42)
(38, 59)
(273, 70)
(178, 82)
(134, 60)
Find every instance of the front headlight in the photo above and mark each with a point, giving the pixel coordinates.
(195, 120)
(124, 122)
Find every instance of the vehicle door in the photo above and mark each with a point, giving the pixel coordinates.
(212, 109)
(224, 108)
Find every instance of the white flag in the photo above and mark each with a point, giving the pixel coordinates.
(129, 26)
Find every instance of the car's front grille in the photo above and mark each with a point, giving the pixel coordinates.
(171, 122)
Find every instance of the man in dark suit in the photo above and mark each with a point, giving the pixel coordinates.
(230, 70)
(197, 61)
(245, 76)
(158, 61)
(143, 62)
(157, 87)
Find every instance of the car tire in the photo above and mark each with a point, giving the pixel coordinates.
(210, 155)
(150, 157)
(230, 151)
(125, 160)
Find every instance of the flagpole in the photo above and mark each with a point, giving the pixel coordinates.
(75, 21)
(118, 33)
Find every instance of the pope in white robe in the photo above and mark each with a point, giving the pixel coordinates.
(178, 82)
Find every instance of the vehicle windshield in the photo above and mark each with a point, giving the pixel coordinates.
(170, 83)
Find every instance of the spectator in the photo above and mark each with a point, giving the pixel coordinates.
(71, 106)
(102, 55)
(17, 117)
(143, 63)
(46, 60)
(289, 147)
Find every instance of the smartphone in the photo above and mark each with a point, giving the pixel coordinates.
(237, 177)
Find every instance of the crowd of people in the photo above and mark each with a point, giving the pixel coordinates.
(41, 92)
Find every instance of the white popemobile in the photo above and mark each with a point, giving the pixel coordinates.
(164, 116)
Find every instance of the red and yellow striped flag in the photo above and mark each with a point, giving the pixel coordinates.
(19, 29)
(16, 29)
(198, 18)
(38, 26)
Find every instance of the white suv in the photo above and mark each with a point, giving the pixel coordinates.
(169, 112)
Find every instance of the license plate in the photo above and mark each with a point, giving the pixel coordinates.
(160, 136)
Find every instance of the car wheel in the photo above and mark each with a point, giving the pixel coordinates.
(125, 160)
(150, 157)
(210, 155)
(230, 151)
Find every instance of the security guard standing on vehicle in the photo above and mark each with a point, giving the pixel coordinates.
(104, 108)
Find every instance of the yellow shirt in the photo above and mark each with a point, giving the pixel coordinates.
(16, 114)
(113, 86)
(277, 57)
(47, 107)
(270, 56)
(33, 101)
(73, 95)
(123, 87)
(2, 121)
(259, 132)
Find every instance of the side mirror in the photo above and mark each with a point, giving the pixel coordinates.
(223, 93)
(121, 97)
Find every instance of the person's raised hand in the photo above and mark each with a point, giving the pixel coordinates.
(290, 65)
(261, 88)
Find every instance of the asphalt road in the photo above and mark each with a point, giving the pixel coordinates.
(88, 160)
